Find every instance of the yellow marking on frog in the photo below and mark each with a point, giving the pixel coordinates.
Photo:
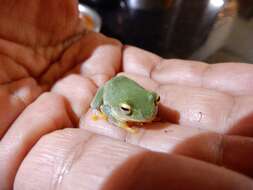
(103, 116)
(98, 116)
(127, 128)
(94, 117)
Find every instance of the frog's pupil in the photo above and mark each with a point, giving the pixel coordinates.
(125, 109)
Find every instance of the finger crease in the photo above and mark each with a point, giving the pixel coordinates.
(73, 157)
(153, 68)
(64, 47)
(14, 81)
(19, 63)
(220, 150)
(230, 113)
(203, 76)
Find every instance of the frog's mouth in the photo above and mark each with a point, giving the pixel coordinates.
(141, 123)
(132, 122)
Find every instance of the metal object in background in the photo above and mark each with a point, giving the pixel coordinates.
(220, 30)
(170, 28)
(90, 17)
(239, 45)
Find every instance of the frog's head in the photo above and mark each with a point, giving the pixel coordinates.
(138, 108)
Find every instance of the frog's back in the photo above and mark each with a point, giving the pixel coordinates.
(121, 88)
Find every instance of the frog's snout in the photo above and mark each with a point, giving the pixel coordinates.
(152, 116)
(155, 112)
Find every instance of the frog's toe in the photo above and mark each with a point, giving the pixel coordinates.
(127, 128)
(101, 115)
(94, 117)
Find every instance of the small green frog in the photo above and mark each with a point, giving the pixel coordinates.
(122, 100)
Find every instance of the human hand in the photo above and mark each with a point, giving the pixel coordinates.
(204, 107)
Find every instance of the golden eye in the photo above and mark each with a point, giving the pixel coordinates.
(126, 108)
(157, 99)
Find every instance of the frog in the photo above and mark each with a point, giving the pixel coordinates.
(124, 101)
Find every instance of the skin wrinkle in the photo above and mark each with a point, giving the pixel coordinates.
(154, 66)
(73, 157)
(127, 137)
(220, 150)
(94, 75)
(57, 59)
(63, 46)
(43, 53)
(6, 65)
(19, 47)
(19, 63)
(14, 81)
(92, 81)
(67, 111)
(230, 113)
(75, 62)
(141, 137)
(203, 76)
(44, 32)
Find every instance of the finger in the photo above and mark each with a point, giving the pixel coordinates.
(200, 144)
(46, 114)
(93, 55)
(78, 91)
(138, 61)
(105, 59)
(233, 152)
(14, 97)
(76, 159)
(161, 171)
(202, 108)
(68, 156)
(232, 78)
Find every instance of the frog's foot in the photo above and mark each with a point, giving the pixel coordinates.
(99, 115)
(127, 128)
(94, 117)
(102, 115)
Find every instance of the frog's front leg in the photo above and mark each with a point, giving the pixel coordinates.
(98, 99)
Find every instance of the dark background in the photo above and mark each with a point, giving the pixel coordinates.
(170, 28)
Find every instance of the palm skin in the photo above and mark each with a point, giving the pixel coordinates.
(50, 69)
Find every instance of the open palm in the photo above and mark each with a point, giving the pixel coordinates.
(50, 69)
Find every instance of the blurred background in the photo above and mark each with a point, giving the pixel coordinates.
(206, 30)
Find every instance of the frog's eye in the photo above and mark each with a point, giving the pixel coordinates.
(126, 108)
(157, 99)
